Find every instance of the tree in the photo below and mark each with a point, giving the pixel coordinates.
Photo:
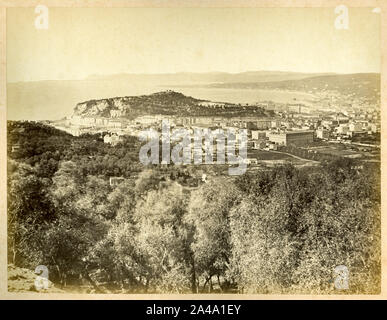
(77, 227)
(29, 212)
(162, 239)
(208, 214)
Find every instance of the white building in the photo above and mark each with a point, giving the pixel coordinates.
(355, 127)
(258, 135)
(342, 129)
(322, 134)
(112, 139)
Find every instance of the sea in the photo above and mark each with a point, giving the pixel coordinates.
(54, 100)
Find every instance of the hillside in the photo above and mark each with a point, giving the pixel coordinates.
(164, 103)
(64, 214)
(366, 85)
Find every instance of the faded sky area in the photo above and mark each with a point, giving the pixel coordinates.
(85, 41)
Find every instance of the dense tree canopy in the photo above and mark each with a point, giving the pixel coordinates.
(162, 229)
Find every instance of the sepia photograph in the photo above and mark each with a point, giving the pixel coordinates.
(193, 150)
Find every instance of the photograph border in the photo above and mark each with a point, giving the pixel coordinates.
(4, 294)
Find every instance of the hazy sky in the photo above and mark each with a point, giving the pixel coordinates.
(81, 42)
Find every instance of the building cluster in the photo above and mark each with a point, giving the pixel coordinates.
(293, 124)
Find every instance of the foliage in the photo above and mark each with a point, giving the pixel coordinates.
(280, 230)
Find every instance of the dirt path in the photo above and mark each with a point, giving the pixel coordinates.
(297, 157)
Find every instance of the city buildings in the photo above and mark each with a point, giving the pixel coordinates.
(322, 134)
(289, 138)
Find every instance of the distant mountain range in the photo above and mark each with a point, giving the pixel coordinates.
(209, 77)
(365, 85)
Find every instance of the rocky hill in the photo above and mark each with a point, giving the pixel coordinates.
(164, 103)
